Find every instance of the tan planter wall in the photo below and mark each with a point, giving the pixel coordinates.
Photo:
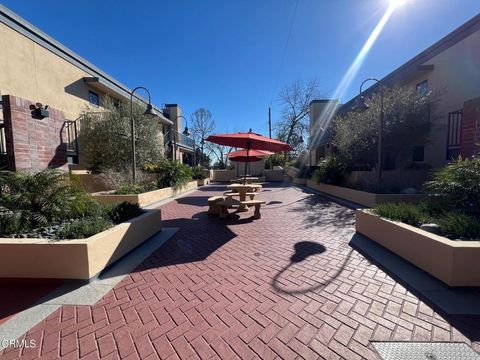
(274, 175)
(222, 175)
(144, 199)
(203, 182)
(292, 171)
(362, 197)
(79, 258)
(456, 263)
(401, 179)
(299, 181)
(92, 183)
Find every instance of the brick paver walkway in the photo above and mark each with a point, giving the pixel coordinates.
(285, 286)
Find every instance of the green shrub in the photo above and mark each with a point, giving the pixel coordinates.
(459, 185)
(406, 213)
(34, 200)
(126, 189)
(170, 173)
(199, 173)
(331, 170)
(83, 228)
(457, 225)
(121, 212)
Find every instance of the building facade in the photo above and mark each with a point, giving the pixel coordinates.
(451, 70)
(37, 71)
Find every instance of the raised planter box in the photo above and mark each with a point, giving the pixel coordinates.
(362, 197)
(222, 175)
(275, 175)
(299, 181)
(292, 171)
(203, 182)
(78, 258)
(456, 263)
(144, 199)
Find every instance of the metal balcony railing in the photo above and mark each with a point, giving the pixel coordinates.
(181, 139)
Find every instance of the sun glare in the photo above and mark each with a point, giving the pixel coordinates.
(397, 3)
(329, 111)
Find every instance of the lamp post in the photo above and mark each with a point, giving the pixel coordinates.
(202, 143)
(148, 112)
(361, 106)
(185, 132)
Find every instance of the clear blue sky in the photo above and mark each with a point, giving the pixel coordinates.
(225, 55)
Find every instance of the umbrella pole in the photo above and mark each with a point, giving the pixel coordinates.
(246, 163)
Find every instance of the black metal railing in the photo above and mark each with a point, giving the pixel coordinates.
(73, 128)
(180, 139)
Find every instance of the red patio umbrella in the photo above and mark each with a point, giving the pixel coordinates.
(249, 141)
(253, 156)
(243, 153)
(245, 159)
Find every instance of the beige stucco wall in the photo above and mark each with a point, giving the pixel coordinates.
(76, 258)
(35, 73)
(222, 175)
(453, 262)
(146, 198)
(456, 77)
(362, 197)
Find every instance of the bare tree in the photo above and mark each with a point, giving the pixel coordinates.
(202, 126)
(220, 152)
(295, 101)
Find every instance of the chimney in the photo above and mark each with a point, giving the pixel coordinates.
(172, 112)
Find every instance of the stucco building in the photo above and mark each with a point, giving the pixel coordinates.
(36, 71)
(451, 69)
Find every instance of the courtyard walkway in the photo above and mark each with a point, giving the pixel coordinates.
(285, 286)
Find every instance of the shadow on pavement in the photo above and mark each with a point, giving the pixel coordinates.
(304, 251)
(318, 210)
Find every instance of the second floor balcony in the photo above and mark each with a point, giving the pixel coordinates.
(180, 139)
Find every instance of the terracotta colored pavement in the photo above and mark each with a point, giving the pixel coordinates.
(17, 295)
(285, 286)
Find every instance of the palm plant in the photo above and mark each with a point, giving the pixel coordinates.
(29, 201)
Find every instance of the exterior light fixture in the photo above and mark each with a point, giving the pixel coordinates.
(150, 111)
(360, 105)
(39, 111)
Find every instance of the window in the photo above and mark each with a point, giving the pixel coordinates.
(454, 134)
(418, 153)
(422, 88)
(93, 98)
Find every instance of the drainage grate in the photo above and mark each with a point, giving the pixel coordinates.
(424, 351)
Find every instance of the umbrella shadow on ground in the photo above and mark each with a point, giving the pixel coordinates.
(198, 237)
(304, 251)
(201, 200)
(317, 210)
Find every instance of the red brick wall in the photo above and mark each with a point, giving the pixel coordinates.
(33, 144)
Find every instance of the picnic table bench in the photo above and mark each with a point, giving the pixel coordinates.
(229, 204)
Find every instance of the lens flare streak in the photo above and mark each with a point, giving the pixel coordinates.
(329, 111)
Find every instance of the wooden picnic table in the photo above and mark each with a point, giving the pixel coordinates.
(242, 192)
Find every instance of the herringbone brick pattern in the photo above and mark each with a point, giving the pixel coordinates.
(284, 286)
